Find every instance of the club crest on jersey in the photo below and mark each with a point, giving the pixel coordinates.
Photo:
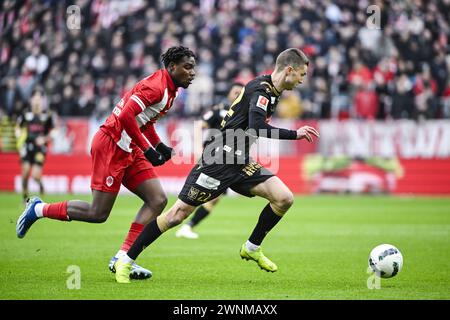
(109, 181)
(262, 102)
(193, 193)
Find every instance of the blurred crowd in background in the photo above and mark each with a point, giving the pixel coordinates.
(401, 70)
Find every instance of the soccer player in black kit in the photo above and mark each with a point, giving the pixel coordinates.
(212, 119)
(226, 163)
(33, 128)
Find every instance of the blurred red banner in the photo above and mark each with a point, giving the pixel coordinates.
(307, 174)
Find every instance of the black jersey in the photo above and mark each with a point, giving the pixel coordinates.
(259, 95)
(214, 117)
(36, 125)
(241, 126)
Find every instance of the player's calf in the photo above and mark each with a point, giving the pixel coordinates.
(174, 216)
(96, 214)
(154, 229)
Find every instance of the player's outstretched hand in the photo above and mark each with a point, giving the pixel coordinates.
(306, 132)
(166, 151)
(155, 158)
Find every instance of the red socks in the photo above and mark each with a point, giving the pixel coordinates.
(56, 211)
(135, 231)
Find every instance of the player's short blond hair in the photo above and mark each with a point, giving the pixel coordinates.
(291, 57)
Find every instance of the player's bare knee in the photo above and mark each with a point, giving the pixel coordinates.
(101, 218)
(100, 215)
(284, 201)
(161, 202)
(157, 203)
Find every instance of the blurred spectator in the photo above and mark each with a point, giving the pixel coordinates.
(360, 74)
(402, 98)
(401, 69)
(446, 101)
(10, 96)
(200, 93)
(289, 106)
(366, 103)
(426, 104)
(26, 82)
(68, 105)
(37, 62)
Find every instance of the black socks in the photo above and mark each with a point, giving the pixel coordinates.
(150, 233)
(199, 215)
(267, 220)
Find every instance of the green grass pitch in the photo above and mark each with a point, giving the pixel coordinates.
(321, 247)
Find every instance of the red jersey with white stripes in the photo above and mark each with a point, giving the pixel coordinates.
(131, 122)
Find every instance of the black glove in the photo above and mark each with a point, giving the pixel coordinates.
(155, 158)
(164, 150)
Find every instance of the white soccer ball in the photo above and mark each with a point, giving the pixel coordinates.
(386, 260)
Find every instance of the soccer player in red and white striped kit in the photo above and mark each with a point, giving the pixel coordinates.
(124, 151)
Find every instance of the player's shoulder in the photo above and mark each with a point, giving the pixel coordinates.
(155, 79)
(261, 84)
(150, 85)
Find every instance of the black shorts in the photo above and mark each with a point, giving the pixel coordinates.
(32, 153)
(210, 181)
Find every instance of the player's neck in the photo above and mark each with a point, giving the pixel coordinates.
(277, 81)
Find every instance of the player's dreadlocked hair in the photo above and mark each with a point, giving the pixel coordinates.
(175, 54)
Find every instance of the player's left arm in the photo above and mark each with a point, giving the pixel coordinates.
(150, 133)
(257, 120)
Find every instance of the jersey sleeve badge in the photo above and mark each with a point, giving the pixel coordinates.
(262, 103)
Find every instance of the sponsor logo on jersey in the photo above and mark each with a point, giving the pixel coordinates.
(207, 182)
(262, 103)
